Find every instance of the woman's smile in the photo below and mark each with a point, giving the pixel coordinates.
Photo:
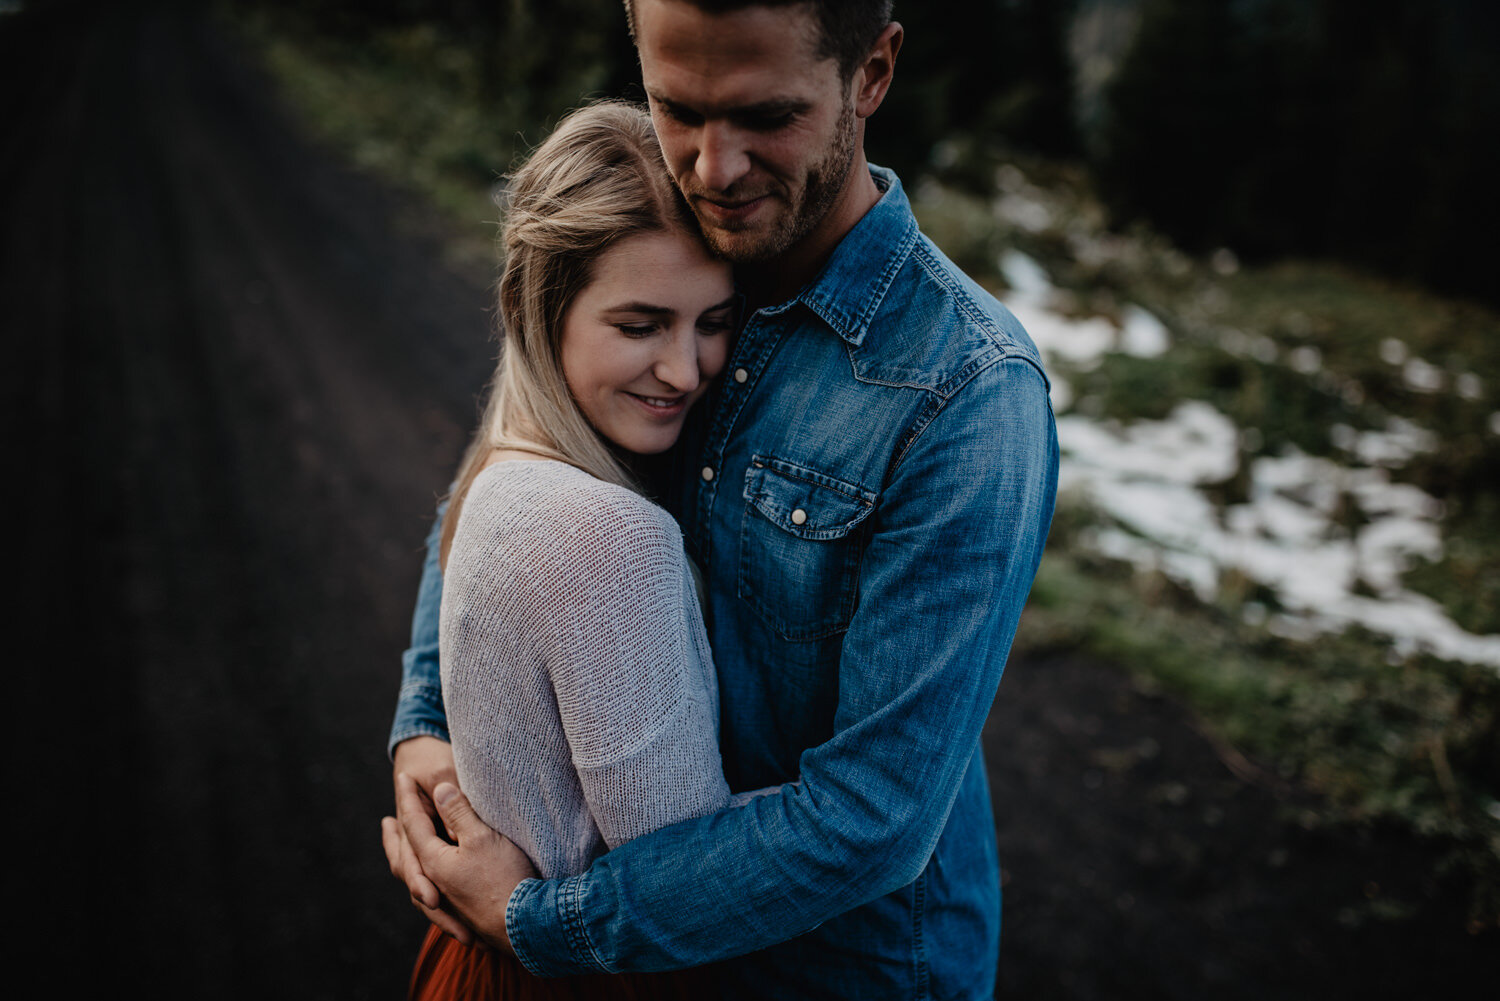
(644, 338)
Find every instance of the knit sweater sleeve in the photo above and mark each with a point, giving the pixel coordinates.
(618, 629)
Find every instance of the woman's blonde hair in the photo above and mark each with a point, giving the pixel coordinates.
(599, 177)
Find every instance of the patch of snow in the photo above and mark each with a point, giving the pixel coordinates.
(1026, 212)
(1306, 360)
(1395, 446)
(1293, 532)
(1008, 177)
(1060, 392)
(1195, 444)
(1468, 385)
(1143, 335)
(1024, 275)
(1422, 376)
(1286, 535)
(1081, 343)
(1392, 351)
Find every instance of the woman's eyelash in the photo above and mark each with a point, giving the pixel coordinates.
(636, 329)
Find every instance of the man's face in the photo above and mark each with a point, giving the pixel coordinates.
(757, 129)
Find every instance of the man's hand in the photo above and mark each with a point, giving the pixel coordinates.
(428, 761)
(477, 873)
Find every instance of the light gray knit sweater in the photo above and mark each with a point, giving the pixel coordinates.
(577, 678)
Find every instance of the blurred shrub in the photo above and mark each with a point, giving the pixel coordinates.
(1356, 129)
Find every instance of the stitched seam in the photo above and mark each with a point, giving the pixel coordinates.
(893, 264)
(568, 901)
(919, 945)
(792, 470)
(961, 296)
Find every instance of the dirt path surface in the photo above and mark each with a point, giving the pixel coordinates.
(238, 376)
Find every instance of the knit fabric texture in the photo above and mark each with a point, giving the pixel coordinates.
(581, 697)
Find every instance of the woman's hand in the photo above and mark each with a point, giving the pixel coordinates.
(477, 872)
(428, 761)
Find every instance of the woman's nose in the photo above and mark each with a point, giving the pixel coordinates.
(677, 365)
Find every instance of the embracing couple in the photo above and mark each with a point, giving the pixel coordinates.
(724, 590)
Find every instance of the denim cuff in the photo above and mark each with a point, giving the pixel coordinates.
(544, 919)
(419, 713)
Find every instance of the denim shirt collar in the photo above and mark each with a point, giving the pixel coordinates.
(849, 290)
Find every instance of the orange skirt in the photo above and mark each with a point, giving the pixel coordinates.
(448, 970)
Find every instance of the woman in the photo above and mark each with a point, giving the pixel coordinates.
(581, 697)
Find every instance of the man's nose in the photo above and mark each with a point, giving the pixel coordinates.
(677, 364)
(722, 158)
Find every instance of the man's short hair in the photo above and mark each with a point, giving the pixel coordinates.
(847, 28)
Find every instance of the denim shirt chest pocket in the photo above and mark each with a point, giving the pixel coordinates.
(800, 548)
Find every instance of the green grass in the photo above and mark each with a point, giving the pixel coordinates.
(404, 104)
(1409, 741)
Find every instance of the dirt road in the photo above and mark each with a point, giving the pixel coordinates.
(239, 393)
(238, 375)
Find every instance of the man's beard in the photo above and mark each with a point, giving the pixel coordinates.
(825, 180)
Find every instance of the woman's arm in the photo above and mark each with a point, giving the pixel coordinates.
(630, 665)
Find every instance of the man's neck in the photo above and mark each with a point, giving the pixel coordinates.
(772, 282)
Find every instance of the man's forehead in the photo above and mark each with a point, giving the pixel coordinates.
(685, 50)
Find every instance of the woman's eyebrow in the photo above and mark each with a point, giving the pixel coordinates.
(641, 307)
(647, 308)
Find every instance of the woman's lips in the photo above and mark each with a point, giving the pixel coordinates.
(660, 406)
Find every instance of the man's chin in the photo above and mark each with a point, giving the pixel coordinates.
(743, 245)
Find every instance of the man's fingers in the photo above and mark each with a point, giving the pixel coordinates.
(457, 813)
(392, 841)
(449, 924)
(416, 822)
(404, 865)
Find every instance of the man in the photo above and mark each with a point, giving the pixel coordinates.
(867, 494)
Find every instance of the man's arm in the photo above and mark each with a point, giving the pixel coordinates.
(942, 583)
(419, 706)
(418, 745)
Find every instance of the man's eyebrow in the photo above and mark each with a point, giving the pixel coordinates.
(761, 109)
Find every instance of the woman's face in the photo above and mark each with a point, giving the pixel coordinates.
(644, 337)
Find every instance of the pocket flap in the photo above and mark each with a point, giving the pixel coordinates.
(804, 502)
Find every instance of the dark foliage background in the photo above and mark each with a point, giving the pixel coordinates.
(1358, 129)
(1362, 130)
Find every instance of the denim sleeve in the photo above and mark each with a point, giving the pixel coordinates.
(946, 572)
(419, 706)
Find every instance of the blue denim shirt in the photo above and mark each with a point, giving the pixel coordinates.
(868, 494)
